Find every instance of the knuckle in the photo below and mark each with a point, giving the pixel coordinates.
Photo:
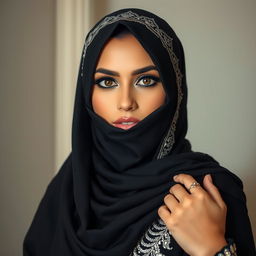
(188, 203)
(160, 210)
(179, 211)
(171, 223)
(186, 198)
(200, 195)
(163, 211)
(166, 197)
(175, 187)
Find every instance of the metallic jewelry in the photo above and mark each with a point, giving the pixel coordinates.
(193, 185)
(228, 250)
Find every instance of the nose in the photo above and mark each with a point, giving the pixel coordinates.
(126, 98)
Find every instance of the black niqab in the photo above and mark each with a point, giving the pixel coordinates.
(111, 185)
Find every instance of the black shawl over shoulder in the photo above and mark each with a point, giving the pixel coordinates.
(111, 185)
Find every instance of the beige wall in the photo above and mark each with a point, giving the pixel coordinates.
(219, 39)
(26, 100)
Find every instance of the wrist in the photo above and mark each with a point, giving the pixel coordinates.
(215, 246)
(229, 249)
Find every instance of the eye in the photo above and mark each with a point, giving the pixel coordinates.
(106, 82)
(147, 81)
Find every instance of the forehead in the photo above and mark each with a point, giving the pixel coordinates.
(126, 50)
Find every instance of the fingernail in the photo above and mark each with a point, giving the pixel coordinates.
(209, 177)
(175, 177)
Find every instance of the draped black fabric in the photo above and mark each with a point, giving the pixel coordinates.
(111, 185)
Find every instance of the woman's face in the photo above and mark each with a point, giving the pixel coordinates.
(127, 85)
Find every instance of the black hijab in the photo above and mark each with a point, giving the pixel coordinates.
(109, 188)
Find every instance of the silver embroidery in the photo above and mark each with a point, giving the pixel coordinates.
(154, 237)
(166, 40)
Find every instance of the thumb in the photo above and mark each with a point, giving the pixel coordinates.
(212, 189)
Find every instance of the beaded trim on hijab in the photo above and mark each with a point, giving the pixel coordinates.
(166, 40)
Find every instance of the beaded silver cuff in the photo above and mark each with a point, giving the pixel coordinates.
(228, 250)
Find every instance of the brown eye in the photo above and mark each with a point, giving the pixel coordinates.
(106, 82)
(147, 81)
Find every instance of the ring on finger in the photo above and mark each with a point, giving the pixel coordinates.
(193, 185)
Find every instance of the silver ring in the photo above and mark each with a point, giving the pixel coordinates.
(193, 185)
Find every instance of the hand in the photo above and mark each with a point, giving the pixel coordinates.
(196, 219)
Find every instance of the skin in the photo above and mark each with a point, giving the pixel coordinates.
(196, 220)
(124, 56)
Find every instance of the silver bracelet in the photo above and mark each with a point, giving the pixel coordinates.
(228, 250)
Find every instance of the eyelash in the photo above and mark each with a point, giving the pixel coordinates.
(106, 78)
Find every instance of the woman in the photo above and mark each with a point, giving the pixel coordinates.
(116, 193)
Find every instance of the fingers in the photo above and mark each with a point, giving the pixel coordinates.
(163, 212)
(179, 192)
(209, 187)
(171, 202)
(213, 190)
(187, 180)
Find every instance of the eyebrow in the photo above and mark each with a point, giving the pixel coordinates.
(135, 72)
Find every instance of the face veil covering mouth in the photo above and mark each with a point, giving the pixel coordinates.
(105, 197)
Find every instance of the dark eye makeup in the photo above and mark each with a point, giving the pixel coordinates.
(107, 82)
(147, 81)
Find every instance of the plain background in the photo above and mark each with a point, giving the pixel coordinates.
(219, 39)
